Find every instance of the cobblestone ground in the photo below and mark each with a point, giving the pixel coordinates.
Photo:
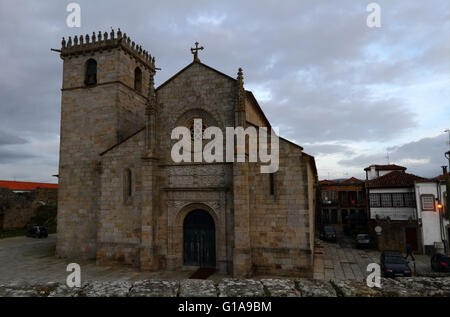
(28, 260)
(28, 267)
(341, 261)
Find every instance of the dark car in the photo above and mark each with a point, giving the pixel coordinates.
(328, 233)
(393, 264)
(362, 240)
(440, 263)
(37, 232)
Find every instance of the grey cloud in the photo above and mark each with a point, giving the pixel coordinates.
(311, 56)
(423, 157)
(324, 149)
(8, 139)
(10, 156)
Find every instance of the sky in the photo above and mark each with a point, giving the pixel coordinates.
(351, 95)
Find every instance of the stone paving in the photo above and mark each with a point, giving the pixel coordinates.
(28, 260)
(342, 261)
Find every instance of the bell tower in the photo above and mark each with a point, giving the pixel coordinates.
(104, 92)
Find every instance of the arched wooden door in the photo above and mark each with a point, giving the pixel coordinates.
(199, 239)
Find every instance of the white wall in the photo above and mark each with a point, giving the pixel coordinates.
(372, 173)
(430, 219)
(394, 213)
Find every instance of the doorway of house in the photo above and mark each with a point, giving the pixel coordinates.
(411, 237)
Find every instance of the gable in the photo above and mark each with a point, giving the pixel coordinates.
(189, 66)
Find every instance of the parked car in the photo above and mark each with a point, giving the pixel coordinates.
(37, 232)
(328, 233)
(393, 264)
(440, 263)
(362, 240)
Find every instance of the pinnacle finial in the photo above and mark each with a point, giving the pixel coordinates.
(241, 91)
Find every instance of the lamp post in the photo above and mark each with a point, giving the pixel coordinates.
(447, 154)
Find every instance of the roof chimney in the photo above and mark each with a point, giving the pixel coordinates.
(444, 170)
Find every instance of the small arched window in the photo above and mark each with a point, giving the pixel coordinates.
(91, 72)
(138, 79)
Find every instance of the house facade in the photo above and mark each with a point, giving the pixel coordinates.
(343, 203)
(431, 201)
(392, 206)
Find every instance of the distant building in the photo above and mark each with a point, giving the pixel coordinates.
(433, 212)
(25, 186)
(342, 202)
(392, 206)
(27, 203)
(375, 171)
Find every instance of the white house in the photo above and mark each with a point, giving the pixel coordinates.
(392, 206)
(431, 205)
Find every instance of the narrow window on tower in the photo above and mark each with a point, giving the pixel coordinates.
(138, 79)
(272, 184)
(91, 72)
(128, 184)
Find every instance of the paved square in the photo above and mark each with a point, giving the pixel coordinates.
(342, 261)
(28, 260)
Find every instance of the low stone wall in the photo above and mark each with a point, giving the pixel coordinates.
(400, 287)
(18, 209)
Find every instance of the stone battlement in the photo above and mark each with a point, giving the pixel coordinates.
(84, 45)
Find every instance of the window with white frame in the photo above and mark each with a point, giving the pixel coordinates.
(427, 202)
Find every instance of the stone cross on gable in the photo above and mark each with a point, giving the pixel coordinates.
(195, 52)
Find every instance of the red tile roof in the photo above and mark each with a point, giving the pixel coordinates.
(440, 177)
(12, 185)
(352, 180)
(394, 179)
(389, 167)
(326, 182)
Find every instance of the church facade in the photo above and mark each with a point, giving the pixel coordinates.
(123, 200)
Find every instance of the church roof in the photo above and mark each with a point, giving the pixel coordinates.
(249, 96)
(189, 65)
(122, 141)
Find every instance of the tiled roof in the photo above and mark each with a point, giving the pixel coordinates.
(326, 182)
(12, 185)
(389, 167)
(352, 180)
(440, 177)
(394, 179)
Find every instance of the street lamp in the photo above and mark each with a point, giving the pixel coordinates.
(447, 154)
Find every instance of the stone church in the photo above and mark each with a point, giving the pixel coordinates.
(123, 200)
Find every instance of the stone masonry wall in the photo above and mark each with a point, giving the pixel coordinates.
(119, 217)
(197, 92)
(17, 209)
(92, 119)
(280, 234)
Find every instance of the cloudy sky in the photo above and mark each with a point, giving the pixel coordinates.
(347, 93)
